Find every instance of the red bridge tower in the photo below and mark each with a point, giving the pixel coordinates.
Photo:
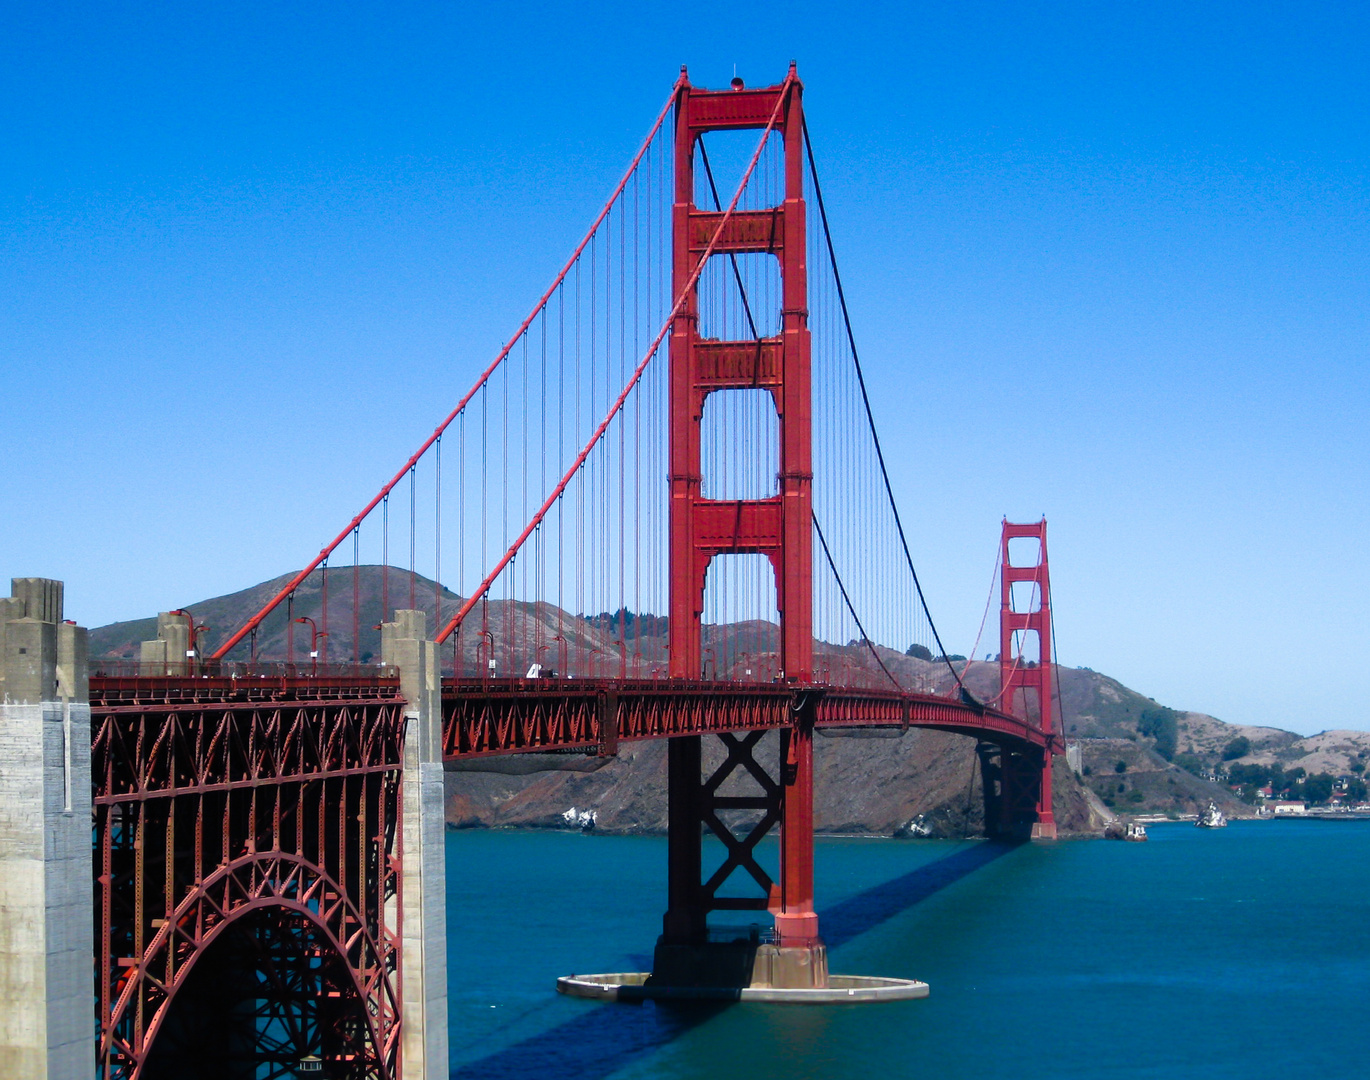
(1025, 674)
(779, 527)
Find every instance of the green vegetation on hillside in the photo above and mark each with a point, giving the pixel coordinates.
(1293, 784)
(1161, 724)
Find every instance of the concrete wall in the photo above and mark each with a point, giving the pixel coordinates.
(423, 914)
(46, 892)
(171, 653)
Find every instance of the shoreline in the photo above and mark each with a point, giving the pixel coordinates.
(1315, 815)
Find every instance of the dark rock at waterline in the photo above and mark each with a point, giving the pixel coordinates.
(874, 786)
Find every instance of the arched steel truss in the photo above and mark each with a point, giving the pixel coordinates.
(238, 891)
(273, 801)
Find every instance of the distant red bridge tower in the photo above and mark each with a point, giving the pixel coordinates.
(1026, 678)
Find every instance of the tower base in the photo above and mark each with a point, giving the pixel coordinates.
(636, 986)
(743, 969)
(745, 962)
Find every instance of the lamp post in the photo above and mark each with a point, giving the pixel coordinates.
(622, 657)
(314, 635)
(487, 638)
(564, 651)
(195, 632)
(185, 663)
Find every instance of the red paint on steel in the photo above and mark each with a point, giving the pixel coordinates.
(796, 923)
(259, 774)
(781, 527)
(487, 717)
(1025, 684)
(269, 804)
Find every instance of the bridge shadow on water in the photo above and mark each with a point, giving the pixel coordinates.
(607, 1038)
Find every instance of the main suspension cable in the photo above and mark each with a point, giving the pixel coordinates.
(865, 638)
(865, 399)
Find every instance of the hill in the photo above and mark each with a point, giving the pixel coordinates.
(223, 615)
(1131, 748)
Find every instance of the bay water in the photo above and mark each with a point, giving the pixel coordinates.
(1233, 953)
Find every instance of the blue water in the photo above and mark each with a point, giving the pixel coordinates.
(1236, 953)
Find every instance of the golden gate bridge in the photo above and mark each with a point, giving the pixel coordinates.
(678, 437)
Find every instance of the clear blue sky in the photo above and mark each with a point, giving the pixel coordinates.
(1112, 260)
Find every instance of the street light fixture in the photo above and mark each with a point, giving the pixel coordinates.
(487, 638)
(314, 634)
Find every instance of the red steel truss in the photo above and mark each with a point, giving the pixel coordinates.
(781, 527)
(509, 716)
(249, 811)
(268, 807)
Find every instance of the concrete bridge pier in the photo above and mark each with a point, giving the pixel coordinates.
(173, 650)
(423, 889)
(46, 891)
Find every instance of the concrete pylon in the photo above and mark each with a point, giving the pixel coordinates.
(423, 889)
(46, 891)
(172, 653)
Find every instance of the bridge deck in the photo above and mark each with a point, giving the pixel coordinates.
(508, 716)
(503, 716)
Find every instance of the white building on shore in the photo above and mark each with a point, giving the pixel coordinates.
(1283, 806)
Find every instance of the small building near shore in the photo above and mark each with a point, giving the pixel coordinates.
(1284, 806)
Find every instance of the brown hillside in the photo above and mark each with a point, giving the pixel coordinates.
(864, 785)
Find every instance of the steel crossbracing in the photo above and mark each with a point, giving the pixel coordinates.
(663, 512)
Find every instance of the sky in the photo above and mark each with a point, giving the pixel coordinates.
(1109, 264)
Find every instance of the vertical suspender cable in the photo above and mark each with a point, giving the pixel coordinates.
(412, 533)
(856, 361)
(437, 532)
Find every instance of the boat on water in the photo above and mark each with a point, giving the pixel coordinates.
(1212, 818)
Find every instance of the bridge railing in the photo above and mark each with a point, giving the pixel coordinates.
(130, 682)
(118, 668)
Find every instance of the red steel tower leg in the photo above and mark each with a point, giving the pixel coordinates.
(1025, 802)
(796, 923)
(779, 527)
(685, 912)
